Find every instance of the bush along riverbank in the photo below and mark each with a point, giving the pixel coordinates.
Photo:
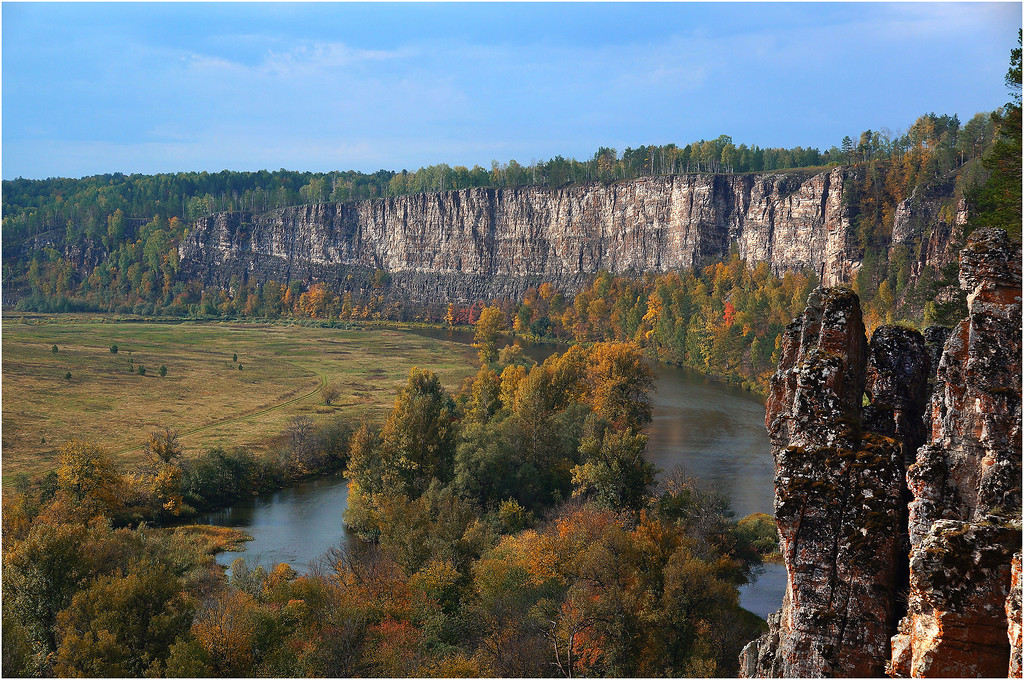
(168, 487)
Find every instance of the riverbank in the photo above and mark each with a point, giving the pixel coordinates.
(705, 429)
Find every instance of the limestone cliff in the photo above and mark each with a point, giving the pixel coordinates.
(491, 243)
(855, 440)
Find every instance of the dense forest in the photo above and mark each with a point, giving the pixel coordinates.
(514, 530)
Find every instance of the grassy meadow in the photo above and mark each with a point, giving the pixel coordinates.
(204, 395)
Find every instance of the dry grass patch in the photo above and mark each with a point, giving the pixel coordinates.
(204, 394)
(213, 539)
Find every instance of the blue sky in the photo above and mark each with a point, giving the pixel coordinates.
(161, 87)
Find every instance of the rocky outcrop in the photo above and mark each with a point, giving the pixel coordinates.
(966, 513)
(839, 488)
(959, 582)
(896, 384)
(854, 442)
(493, 243)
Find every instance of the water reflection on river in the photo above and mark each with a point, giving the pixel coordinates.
(716, 433)
(293, 525)
(713, 431)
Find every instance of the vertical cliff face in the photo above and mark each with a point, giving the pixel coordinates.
(855, 440)
(487, 243)
(921, 216)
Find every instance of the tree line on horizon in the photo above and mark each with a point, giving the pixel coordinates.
(80, 208)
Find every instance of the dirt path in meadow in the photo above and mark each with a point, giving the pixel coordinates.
(243, 416)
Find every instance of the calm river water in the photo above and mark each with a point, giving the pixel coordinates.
(712, 430)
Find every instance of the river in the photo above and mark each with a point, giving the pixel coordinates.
(714, 431)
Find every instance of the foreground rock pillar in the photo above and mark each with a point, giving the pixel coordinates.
(965, 517)
(843, 428)
(839, 489)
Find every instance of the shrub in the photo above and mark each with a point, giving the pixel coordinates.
(54, 349)
(142, 370)
(217, 477)
(333, 438)
(163, 370)
(329, 393)
(513, 517)
(113, 349)
(759, 530)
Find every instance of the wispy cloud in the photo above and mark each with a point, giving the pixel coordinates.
(318, 56)
(939, 20)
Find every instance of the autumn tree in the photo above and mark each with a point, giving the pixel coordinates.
(485, 395)
(226, 629)
(165, 483)
(610, 597)
(41, 574)
(488, 326)
(329, 392)
(420, 434)
(508, 593)
(19, 659)
(300, 434)
(614, 469)
(621, 381)
(122, 625)
(487, 469)
(438, 525)
(87, 480)
(318, 301)
(164, 446)
(415, 446)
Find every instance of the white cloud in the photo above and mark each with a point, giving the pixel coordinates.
(316, 58)
(940, 20)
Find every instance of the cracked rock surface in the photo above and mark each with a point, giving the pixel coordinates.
(494, 243)
(965, 516)
(883, 490)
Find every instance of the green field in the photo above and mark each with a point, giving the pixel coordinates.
(204, 396)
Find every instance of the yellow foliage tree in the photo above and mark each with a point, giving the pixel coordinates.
(87, 480)
(511, 378)
(226, 630)
(488, 326)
